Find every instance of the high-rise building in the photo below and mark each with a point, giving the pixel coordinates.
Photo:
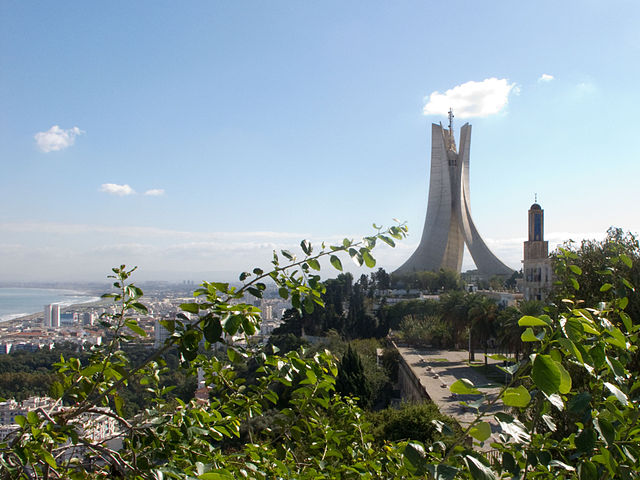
(88, 318)
(536, 267)
(448, 225)
(47, 315)
(55, 315)
(52, 315)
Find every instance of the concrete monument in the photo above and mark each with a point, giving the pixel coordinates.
(449, 226)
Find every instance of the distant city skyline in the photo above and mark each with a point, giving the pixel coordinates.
(192, 140)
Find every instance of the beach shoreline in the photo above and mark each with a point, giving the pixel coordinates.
(94, 302)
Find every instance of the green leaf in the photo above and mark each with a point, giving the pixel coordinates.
(311, 376)
(356, 257)
(369, 261)
(579, 403)
(387, 240)
(395, 233)
(510, 369)
(509, 464)
(574, 283)
(256, 292)
(623, 302)
(478, 470)
(565, 380)
(232, 355)
(48, 458)
(605, 429)
(118, 403)
(212, 330)
(287, 254)
(306, 247)
(442, 471)
(139, 307)
(308, 305)
(499, 357)
(574, 329)
(546, 374)
(619, 394)
(442, 427)
(335, 261)
(626, 260)
(575, 269)
(516, 397)
(481, 431)
(606, 287)
(133, 325)
(20, 420)
(313, 263)
(529, 336)
(217, 475)
(463, 386)
(513, 427)
(626, 319)
(231, 324)
(170, 325)
(616, 338)
(190, 307)
(586, 440)
(571, 348)
(32, 418)
(56, 390)
(529, 321)
(597, 355)
(414, 457)
(587, 471)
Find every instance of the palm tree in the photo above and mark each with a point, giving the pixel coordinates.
(454, 309)
(508, 331)
(482, 315)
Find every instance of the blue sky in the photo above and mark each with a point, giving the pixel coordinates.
(192, 139)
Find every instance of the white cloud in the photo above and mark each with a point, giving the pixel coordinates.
(115, 189)
(154, 192)
(545, 77)
(56, 138)
(472, 99)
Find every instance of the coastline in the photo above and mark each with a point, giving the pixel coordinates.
(92, 301)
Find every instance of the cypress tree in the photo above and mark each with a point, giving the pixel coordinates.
(351, 379)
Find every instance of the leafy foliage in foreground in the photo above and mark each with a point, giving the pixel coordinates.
(319, 434)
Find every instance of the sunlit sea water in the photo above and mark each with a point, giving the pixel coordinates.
(18, 302)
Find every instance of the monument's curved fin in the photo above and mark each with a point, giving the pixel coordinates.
(448, 224)
(438, 222)
(486, 262)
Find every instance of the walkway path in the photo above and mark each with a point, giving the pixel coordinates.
(438, 369)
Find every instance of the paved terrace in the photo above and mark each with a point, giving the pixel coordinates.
(438, 369)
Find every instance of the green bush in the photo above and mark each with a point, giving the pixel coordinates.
(412, 422)
(425, 330)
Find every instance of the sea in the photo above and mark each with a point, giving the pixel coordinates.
(18, 302)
